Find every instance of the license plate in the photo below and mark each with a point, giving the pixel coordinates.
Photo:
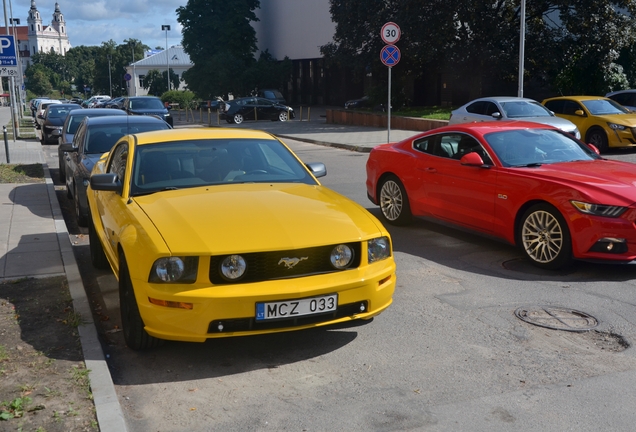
(296, 308)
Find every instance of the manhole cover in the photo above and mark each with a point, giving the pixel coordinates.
(557, 318)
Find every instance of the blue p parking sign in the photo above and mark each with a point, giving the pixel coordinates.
(7, 51)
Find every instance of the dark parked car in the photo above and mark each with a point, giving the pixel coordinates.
(255, 108)
(72, 122)
(148, 105)
(116, 103)
(273, 95)
(53, 120)
(627, 98)
(94, 137)
(41, 109)
(363, 102)
(213, 104)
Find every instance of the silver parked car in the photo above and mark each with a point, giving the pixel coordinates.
(510, 108)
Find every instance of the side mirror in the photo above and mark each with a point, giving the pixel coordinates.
(594, 149)
(318, 169)
(579, 113)
(496, 115)
(41, 116)
(472, 159)
(106, 182)
(56, 133)
(67, 148)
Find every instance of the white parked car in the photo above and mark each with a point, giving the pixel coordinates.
(90, 103)
(510, 108)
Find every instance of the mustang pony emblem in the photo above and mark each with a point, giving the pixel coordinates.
(291, 262)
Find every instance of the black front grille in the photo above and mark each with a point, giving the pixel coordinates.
(250, 324)
(263, 266)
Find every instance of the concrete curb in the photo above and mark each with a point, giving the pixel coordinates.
(110, 416)
(351, 147)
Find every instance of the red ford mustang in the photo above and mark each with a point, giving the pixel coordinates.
(529, 184)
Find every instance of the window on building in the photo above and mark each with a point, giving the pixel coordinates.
(141, 80)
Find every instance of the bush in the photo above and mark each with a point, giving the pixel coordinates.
(185, 98)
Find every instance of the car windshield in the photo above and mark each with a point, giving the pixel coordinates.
(146, 103)
(183, 164)
(103, 137)
(604, 107)
(518, 109)
(58, 112)
(524, 147)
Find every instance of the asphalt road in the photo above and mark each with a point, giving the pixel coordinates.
(448, 355)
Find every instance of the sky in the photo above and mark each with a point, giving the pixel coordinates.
(91, 22)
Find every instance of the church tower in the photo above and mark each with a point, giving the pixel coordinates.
(58, 23)
(49, 38)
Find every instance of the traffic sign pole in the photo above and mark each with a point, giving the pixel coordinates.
(388, 112)
(390, 56)
(9, 63)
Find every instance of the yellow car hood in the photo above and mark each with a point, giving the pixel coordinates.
(628, 120)
(255, 217)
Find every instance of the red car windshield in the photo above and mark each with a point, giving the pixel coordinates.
(524, 147)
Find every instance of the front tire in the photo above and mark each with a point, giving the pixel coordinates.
(544, 237)
(282, 116)
(598, 138)
(79, 214)
(238, 118)
(62, 167)
(98, 257)
(394, 202)
(132, 324)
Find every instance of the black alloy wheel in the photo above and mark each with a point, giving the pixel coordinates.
(81, 216)
(598, 138)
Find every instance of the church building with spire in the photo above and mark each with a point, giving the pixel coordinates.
(39, 36)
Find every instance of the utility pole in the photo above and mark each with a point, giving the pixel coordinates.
(166, 28)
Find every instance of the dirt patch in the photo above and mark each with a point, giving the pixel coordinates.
(44, 383)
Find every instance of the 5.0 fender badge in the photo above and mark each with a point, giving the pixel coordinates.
(291, 262)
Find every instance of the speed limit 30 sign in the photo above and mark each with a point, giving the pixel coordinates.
(390, 33)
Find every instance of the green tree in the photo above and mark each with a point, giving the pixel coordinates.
(477, 43)
(157, 82)
(37, 76)
(591, 37)
(221, 43)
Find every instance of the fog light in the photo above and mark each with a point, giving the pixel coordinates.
(220, 327)
(233, 267)
(341, 256)
(362, 307)
(610, 245)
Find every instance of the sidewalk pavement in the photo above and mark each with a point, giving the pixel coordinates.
(34, 241)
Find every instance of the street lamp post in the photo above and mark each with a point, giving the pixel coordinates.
(166, 27)
(13, 22)
(110, 81)
(522, 42)
(134, 77)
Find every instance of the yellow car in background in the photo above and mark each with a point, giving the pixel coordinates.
(225, 232)
(601, 121)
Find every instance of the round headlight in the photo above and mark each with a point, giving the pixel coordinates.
(169, 269)
(341, 256)
(233, 267)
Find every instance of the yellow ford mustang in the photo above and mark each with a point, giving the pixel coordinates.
(225, 232)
